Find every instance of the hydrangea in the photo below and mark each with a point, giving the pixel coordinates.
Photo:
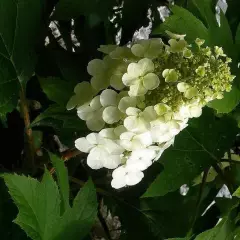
(141, 96)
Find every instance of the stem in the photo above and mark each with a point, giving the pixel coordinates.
(198, 202)
(29, 163)
(66, 156)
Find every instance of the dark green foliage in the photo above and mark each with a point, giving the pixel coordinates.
(45, 46)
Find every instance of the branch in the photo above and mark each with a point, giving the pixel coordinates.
(66, 156)
(29, 162)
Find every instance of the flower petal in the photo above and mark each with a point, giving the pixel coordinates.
(133, 178)
(95, 123)
(93, 138)
(119, 130)
(195, 111)
(83, 145)
(112, 161)
(116, 81)
(127, 102)
(96, 156)
(151, 81)
(118, 183)
(95, 104)
(129, 80)
(85, 112)
(137, 90)
(134, 70)
(108, 98)
(132, 111)
(111, 114)
(99, 82)
(119, 172)
(138, 50)
(146, 65)
(96, 67)
(108, 133)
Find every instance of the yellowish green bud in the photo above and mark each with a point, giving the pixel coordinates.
(201, 71)
(190, 93)
(170, 75)
(219, 51)
(187, 53)
(199, 41)
(177, 46)
(161, 108)
(182, 86)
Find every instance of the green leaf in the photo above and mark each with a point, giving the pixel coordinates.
(39, 208)
(162, 217)
(184, 22)
(228, 103)
(77, 221)
(38, 204)
(222, 36)
(223, 231)
(201, 144)
(67, 9)
(85, 203)
(8, 230)
(205, 8)
(57, 90)
(237, 40)
(176, 239)
(62, 178)
(19, 30)
(237, 193)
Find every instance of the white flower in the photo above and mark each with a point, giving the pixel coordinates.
(150, 48)
(191, 110)
(141, 159)
(131, 141)
(138, 121)
(177, 45)
(164, 131)
(83, 93)
(103, 152)
(118, 68)
(112, 133)
(110, 99)
(98, 69)
(140, 77)
(92, 114)
(122, 177)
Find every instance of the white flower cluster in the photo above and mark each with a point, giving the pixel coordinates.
(140, 97)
